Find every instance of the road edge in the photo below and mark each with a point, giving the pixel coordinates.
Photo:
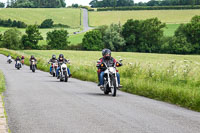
(3, 116)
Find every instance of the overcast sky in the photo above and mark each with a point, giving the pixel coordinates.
(83, 2)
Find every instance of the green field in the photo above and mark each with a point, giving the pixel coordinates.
(76, 39)
(166, 16)
(66, 16)
(171, 78)
(170, 29)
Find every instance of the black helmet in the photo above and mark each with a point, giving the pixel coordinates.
(32, 56)
(106, 51)
(61, 56)
(53, 56)
(103, 51)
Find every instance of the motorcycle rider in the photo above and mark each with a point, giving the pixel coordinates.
(22, 58)
(61, 60)
(9, 58)
(32, 58)
(52, 60)
(17, 59)
(109, 61)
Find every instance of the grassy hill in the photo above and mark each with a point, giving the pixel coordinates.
(66, 16)
(166, 16)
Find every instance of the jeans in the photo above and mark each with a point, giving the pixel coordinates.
(58, 69)
(50, 69)
(101, 78)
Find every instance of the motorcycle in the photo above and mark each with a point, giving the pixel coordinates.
(22, 61)
(54, 66)
(110, 79)
(63, 73)
(9, 60)
(18, 65)
(33, 65)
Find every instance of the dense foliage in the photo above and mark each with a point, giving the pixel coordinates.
(57, 39)
(47, 23)
(2, 5)
(14, 23)
(35, 3)
(31, 38)
(121, 3)
(93, 40)
(11, 39)
(175, 7)
(111, 3)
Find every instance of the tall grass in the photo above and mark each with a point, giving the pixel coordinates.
(171, 78)
(2, 82)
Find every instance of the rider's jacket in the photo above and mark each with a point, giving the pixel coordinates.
(32, 59)
(60, 62)
(18, 59)
(53, 60)
(109, 62)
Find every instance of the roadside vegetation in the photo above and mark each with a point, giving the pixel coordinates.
(171, 78)
(2, 82)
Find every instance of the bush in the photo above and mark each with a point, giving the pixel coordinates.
(47, 23)
(12, 39)
(92, 40)
(58, 39)
(61, 26)
(10, 23)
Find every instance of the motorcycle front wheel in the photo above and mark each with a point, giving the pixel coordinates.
(114, 88)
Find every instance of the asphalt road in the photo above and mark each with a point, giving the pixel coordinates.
(85, 22)
(39, 103)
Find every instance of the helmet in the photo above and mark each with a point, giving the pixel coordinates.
(32, 56)
(103, 51)
(106, 51)
(61, 56)
(22, 56)
(53, 56)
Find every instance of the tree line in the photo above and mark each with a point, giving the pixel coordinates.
(35, 3)
(145, 36)
(122, 3)
(14, 39)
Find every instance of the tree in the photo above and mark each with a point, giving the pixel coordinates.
(30, 40)
(113, 38)
(57, 39)
(2, 5)
(92, 40)
(12, 39)
(47, 23)
(191, 32)
(143, 35)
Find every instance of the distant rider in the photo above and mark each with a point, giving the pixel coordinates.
(52, 60)
(17, 59)
(62, 60)
(32, 58)
(109, 61)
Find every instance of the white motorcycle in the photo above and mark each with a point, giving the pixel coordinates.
(18, 65)
(33, 65)
(110, 79)
(9, 59)
(63, 73)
